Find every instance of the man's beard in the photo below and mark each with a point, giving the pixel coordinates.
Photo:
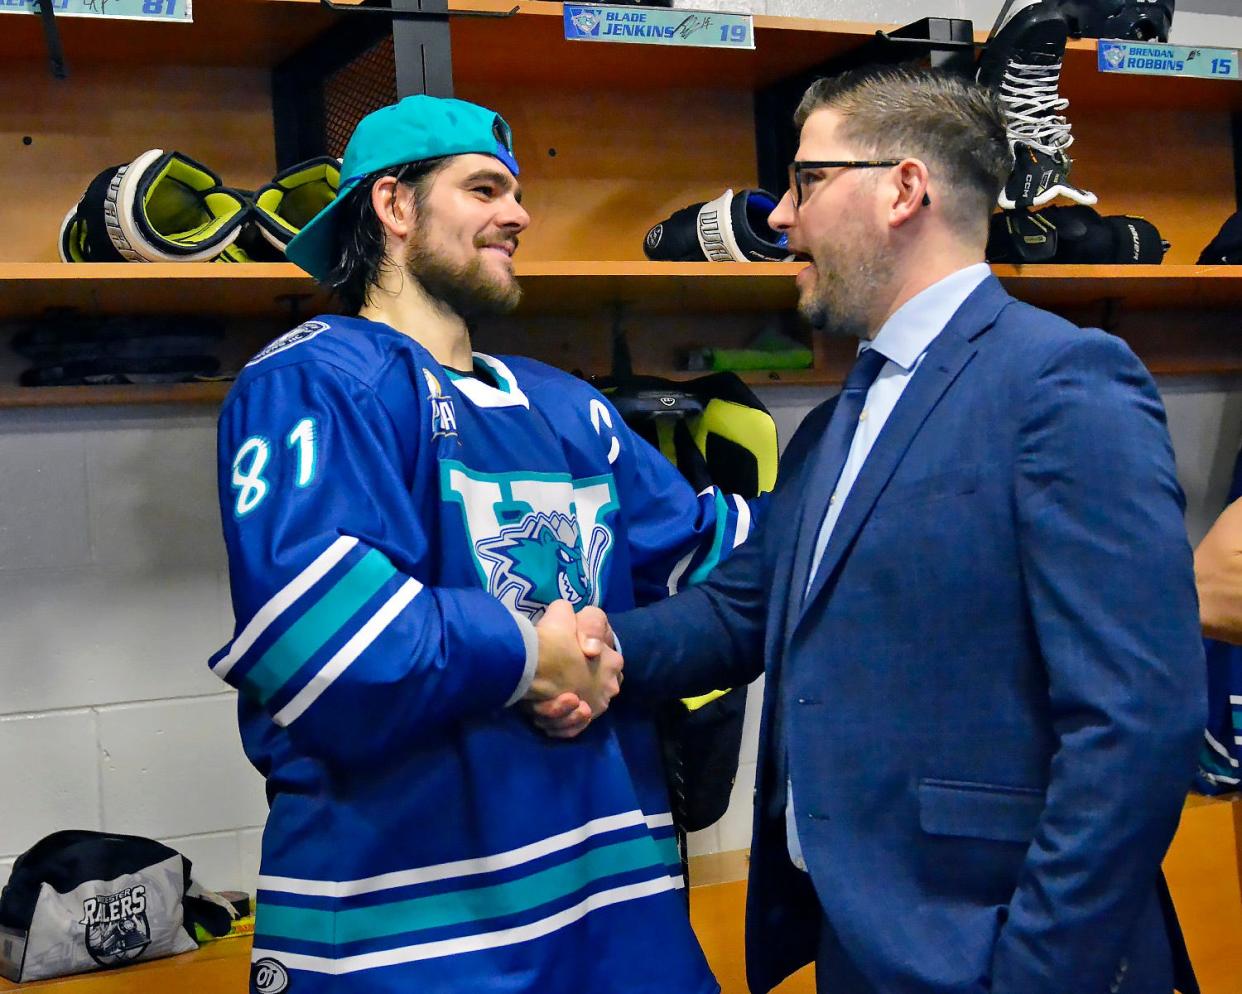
(468, 290)
(841, 300)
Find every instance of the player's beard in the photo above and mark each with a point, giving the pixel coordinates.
(849, 273)
(470, 289)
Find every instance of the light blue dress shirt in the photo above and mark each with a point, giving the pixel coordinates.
(903, 341)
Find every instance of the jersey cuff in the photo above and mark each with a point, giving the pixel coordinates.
(531, 640)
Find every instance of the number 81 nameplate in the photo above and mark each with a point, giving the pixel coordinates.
(127, 10)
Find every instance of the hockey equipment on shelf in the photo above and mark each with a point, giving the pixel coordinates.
(1132, 20)
(285, 205)
(717, 433)
(1073, 235)
(161, 207)
(731, 228)
(67, 348)
(1226, 248)
(165, 207)
(1022, 64)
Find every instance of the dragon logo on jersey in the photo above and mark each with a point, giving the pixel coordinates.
(535, 538)
(443, 417)
(542, 559)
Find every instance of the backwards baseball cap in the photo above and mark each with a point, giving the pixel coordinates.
(411, 130)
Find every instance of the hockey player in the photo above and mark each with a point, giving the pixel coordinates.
(398, 511)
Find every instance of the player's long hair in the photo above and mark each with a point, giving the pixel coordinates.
(360, 249)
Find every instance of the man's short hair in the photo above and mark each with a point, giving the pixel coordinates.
(954, 125)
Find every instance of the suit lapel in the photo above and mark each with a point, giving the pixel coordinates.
(948, 355)
(817, 491)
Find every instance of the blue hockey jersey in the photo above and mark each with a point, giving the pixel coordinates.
(393, 528)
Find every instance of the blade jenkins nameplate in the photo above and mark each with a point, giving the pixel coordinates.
(658, 26)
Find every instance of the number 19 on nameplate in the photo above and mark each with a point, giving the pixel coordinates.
(658, 26)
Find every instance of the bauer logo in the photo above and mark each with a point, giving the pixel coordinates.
(117, 929)
(268, 977)
(581, 22)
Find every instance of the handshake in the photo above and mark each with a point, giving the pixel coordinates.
(578, 673)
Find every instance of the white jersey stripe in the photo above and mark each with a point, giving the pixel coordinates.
(285, 599)
(469, 943)
(458, 868)
(350, 651)
(742, 531)
(659, 821)
(1219, 749)
(674, 578)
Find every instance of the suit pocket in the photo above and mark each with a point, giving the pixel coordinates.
(938, 486)
(979, 810)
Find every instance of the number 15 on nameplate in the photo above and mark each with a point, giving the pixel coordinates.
(658, 26)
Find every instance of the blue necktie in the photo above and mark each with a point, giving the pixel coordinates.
(838, 438)
(833, 451)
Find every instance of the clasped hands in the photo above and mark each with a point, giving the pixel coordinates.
(578, 673)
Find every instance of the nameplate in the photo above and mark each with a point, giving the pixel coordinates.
(658, 26)
(1149, 58)
(126, 10)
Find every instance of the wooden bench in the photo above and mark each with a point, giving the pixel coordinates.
(1202, 867)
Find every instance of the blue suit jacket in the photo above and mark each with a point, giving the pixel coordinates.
(992, 695)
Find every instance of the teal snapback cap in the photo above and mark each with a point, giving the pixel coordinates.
(411, 130)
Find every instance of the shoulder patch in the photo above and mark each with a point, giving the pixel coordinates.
(302, 333)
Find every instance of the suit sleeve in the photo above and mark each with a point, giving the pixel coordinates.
(1107, 567)
(341, 635)
(712, 635)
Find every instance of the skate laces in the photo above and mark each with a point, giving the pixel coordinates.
(1032, 103)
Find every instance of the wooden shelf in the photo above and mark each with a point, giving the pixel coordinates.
(1160, 303)
(275, 289)
(196, 394)
(1134, 287)
(495, 52)
(253, 290)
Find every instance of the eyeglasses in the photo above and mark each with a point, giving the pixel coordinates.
(799, 166)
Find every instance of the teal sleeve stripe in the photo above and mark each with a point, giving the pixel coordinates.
(669, 852)
(322, 621)
(1212, 763)
(458, 907)
(724, 518)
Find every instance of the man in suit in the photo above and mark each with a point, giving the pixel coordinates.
(972, 597)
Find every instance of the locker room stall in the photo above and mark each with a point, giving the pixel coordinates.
(112, 572)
